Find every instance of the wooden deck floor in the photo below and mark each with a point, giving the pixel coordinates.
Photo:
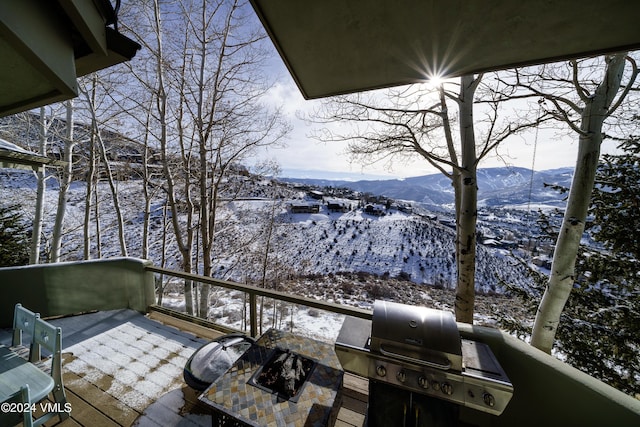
(354, 402)
(94, 403)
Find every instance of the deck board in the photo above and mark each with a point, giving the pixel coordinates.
(120, 413)
(354, 402)
(348, 418)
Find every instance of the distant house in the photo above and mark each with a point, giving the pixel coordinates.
(337, 206)
(508, 244)
(377, 210)
(304, 207)
(316, 195)
(542, 261)
(491, 242)
(500, 243)
(406, 208)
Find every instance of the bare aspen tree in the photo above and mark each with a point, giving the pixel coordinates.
(107, 167)
(65, 180)
(594, 100)
(224, 111)
(208, 115)
(36, 235)
(163, 84)
(98, 222)
(90, 180)
(147, 190)
(184, 231)
(269, 247)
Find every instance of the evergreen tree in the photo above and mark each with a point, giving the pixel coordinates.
(616, 200)
(14, 237)
(599, 331)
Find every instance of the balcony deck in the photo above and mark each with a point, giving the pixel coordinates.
(121, 368)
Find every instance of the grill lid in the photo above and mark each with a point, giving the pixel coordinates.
(416, 335)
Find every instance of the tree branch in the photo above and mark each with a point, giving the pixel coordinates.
(627, 88)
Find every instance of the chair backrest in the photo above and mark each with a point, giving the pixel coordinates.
(47, 336)
(42, 334)
(50, 338)
(24, 320)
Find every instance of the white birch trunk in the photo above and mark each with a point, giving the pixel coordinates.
(96, 216)
(36, 236)
(562, 275)
(110, 179)
(90, 182)
(467, 209)
(65, 181)
(146, 179)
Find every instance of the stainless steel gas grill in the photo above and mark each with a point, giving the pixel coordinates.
(420, 371)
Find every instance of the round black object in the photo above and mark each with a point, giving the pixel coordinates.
(213, 359)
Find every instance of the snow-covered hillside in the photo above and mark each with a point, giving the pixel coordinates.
(394, 245)
(397, 244)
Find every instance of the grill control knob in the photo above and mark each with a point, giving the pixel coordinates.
(447, 389)
(381, 371)
(423, 382)
(489, 400)
(401, 376)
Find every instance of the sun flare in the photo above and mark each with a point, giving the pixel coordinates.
(435, 80)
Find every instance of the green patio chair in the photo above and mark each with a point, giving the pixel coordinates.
(43, 335)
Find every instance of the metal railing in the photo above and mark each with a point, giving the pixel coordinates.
(254, 292)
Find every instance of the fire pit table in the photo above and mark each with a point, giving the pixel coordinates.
(281, 380)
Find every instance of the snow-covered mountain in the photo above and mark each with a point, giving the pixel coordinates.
(497, 187)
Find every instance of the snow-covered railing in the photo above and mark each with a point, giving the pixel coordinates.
(254, 292)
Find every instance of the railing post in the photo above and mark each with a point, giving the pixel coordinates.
(253, 313)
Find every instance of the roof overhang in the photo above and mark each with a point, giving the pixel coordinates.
(341, 46)
(46, 44)
(14, 157)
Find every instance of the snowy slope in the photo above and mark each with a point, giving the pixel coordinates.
(349, 258)
(395, 245)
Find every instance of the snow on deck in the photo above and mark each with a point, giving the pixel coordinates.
(136, 360)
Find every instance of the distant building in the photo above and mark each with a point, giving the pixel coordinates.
(317, 195)
(377, 210)
(542, 261)
(337, 206)
(304, 207)
(405, 207)
(448, 223)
